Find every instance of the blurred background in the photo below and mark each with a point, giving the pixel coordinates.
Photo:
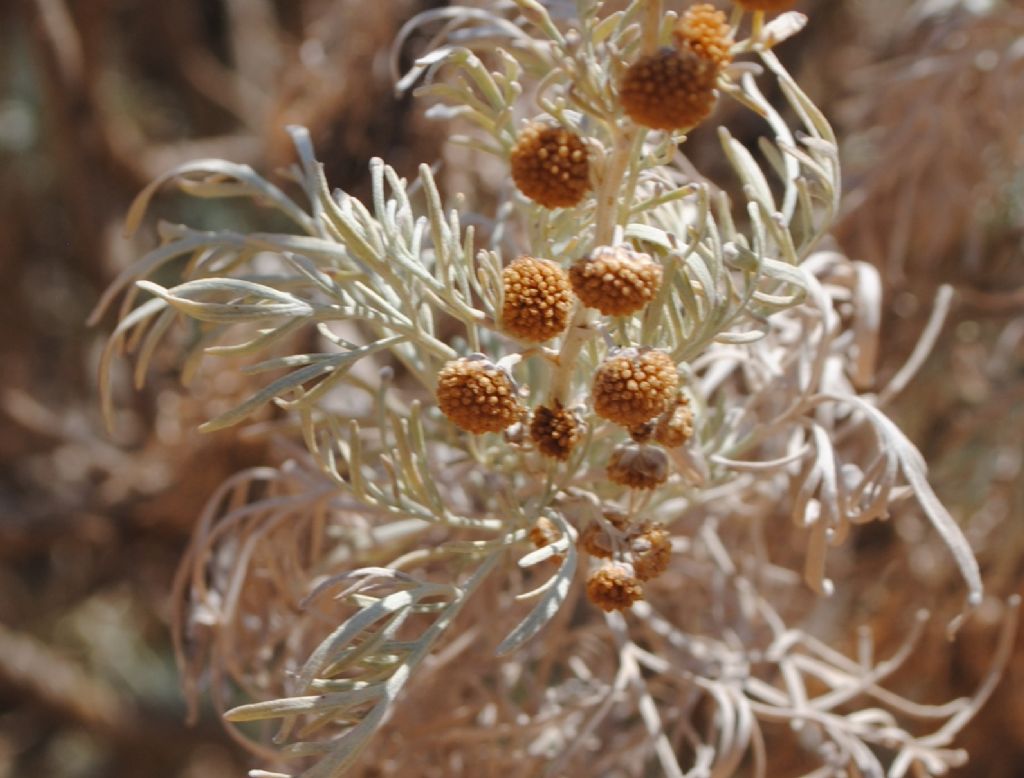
(97, 97)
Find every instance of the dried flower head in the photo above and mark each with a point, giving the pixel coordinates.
(615, 280)
(634, 385)
(549, 165)
(675, 426)
(477, 395)
(651, 550)
(638, 466)
(765, 5)
(669, 90)
(705, 31)
(538, 299)
(554, 431)
(594, 540)
(614, 588)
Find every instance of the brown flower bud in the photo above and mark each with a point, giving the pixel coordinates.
(675, 426)
(614, 588)
(651, 550)
(477, 395)
(555, 431)
(705, 31)
(634, 386)
(638, 466)
(669, 90)
(538, 299)
(549, 165)
(615, 280)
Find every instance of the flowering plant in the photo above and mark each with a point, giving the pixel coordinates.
(557, 442)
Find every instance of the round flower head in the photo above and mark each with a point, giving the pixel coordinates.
(651, 550)
(669, 90)
(705, 31)
(538, 299)
(477, 395)
(549, 165)
(555, 431)
(633, 386)
(675, 426)
(614, 588)
(617, 281)
(765, 5)
(638, 466)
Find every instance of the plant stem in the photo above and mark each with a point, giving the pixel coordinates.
(580, 330)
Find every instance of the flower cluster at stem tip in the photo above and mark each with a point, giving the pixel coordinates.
(636, 386)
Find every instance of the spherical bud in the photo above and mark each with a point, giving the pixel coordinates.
(705, 31)
(651, 550)
(638, 466)
(549, 165)
(595, 541)
(555, 431)
(675, 426)
(615, 280)
(538, 299)
(765, 5)
(669, 90)
(614, 588)
(477, 395)
(634, 386)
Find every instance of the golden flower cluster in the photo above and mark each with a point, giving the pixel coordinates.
(637, 553)
(705, 31)
(674, 88)
(538, 299)
(650, 549)
(670, 89)
(675, 426)
(477, 396)
(550, 165)
(634, 385)
(617, 281)
(614, 587)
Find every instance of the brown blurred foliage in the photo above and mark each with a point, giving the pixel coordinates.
(99, 96)
(96, 98)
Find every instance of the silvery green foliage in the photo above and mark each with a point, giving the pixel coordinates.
(394, 514)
